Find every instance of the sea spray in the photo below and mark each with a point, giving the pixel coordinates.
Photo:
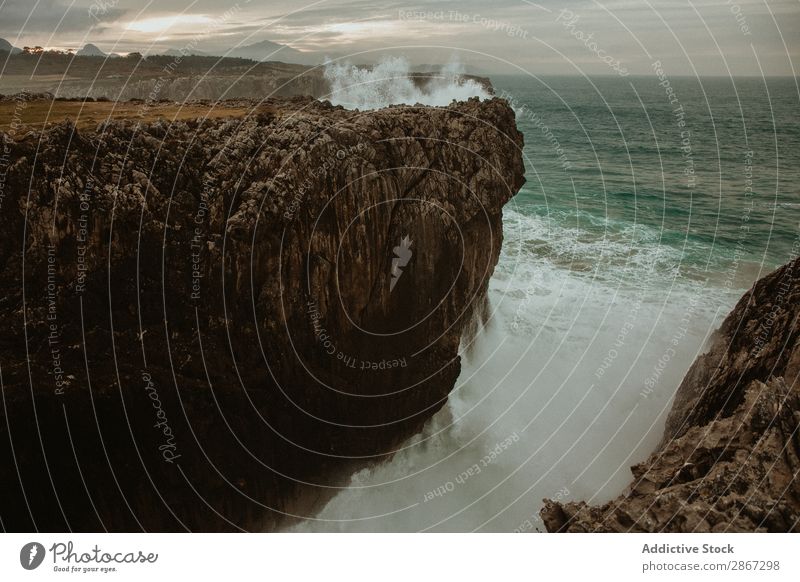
(533, 376)
(390, 83)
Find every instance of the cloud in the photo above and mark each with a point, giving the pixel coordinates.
(26, 17)
(701, 35)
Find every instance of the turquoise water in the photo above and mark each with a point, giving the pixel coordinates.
(621, 172)
(617, 267)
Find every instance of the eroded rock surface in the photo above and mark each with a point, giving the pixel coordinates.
(206, 323)
(730, 456)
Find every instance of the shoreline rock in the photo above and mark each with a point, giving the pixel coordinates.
(730, 457)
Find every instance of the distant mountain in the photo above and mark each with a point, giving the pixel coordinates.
(184, 52)
(90, 50)
(266, 50)
(8, 47)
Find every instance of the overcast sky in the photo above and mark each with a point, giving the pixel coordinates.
(705, 37)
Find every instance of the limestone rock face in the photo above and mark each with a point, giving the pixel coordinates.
(730, 456)
(207, 323)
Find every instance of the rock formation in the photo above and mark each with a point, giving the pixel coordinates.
(730, 456)
(207, 323)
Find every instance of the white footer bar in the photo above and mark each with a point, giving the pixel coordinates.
(401, 557)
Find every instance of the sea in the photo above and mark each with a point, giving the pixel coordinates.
(651, 205)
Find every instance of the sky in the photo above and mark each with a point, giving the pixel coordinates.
(570, 37)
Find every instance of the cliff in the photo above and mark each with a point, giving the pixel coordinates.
(730, 456)
(208, 322)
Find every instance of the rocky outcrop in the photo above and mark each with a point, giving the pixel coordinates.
(207, 323)
(730, 456)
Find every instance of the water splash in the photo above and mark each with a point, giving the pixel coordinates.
(561, 366)
(389, 83)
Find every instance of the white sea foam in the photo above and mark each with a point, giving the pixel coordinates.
(388, 83)
(564, 366)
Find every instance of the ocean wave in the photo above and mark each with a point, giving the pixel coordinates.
(389, 83)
